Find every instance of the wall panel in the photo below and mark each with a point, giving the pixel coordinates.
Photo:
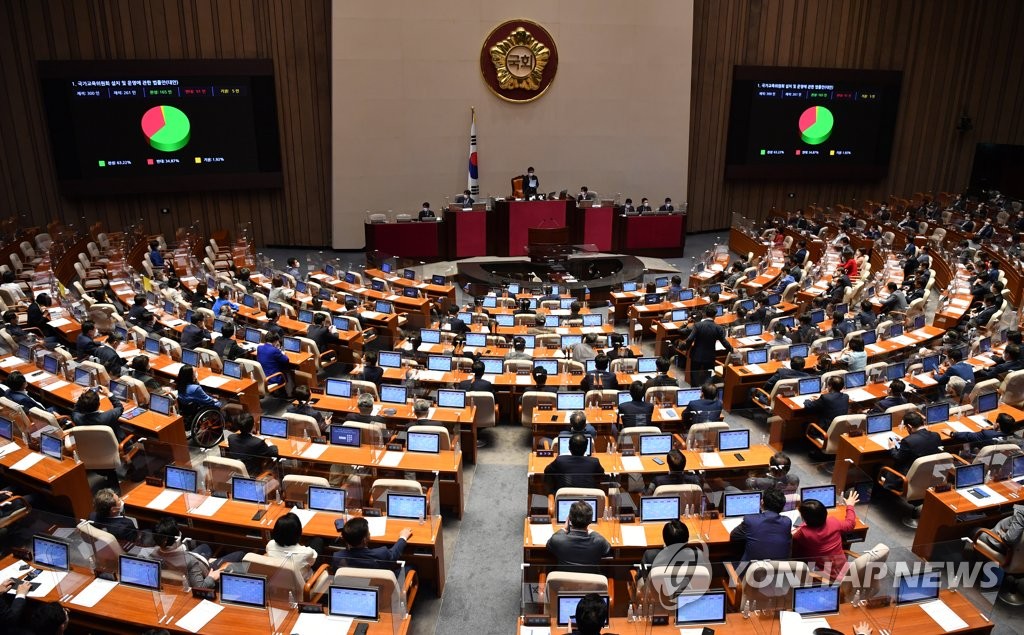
(956, 57)
(291, 32)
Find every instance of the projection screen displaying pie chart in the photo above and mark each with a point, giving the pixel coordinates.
(167, 129)
(816, 125)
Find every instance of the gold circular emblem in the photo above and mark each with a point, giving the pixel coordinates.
(518, 60)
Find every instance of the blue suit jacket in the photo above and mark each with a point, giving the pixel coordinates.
(768, 536)
(371, 557)
(273, 360)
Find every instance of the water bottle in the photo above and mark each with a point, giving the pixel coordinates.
(630, 617)
(856, 598)
(746, 609)
(291, 600)
(185, 587)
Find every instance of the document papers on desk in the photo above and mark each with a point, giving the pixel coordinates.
(48, 581)
(534, 630)
(314, 451)
(755, 369)
(27, 462)
(926, 379)
(859, 394)
(711, 459)
(316, 623)
(164, 499)
(668, 414)
(378, 525)
(214, 381)
(199, 616)
(59, 322)
(792, 623)
(391, 459)
(209, 506)
(731, 523)
(632, 464)
(633, 536)
(55, 385)
(305, 515)
(881, 439)
(986, 495)
(943, 616)
(9, 362)
(956, 426)
(7, 449)
(539, 534)
(92, 594)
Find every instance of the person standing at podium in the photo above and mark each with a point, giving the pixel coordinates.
(530, 184)
(426, 213)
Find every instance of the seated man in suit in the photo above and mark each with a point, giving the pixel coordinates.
(920, 442)
(578, 425)
(465, 199)
(194, 334)
(768, 535)
(574, 545)
(302, 407)
(675, 535)
(897, 300)
(585, 195)
(358, 553)
(518, 350)
(540, 378)
(1011, 361)
(426, 213)
(636, 411)
(644, 206)
(85, 343)
(87, 412)
(106, 354)
(667, 206)
(866, 318)
(251, 450)
(454, 322)
(226, 346)
(477, 383)
(16, 384)
(831, 404)
(795, 371)
(662, 364)
(1009, 529)
(600, 378)
(896, 397)
(371, 371)
(628, 208)
(591, 615)
(707, 408)
(364, 405)
(981, 317)
(574, 469)
(954, 366)
(1003, 432)
(586, 349)
(778, 476)
(677, 474)
(108, 515)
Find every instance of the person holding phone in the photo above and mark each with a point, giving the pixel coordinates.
(575, 545)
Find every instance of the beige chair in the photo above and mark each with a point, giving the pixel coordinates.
(554, 584)
(768, 583)
(925, 472)
(517, 365)
(603, 397)
(577, 493)
(782, 387)
(381, 487)
(898, 412)
(285, 577)
(981, 388)
(623, 365)
(630, 437)
(789, 293)
(687, 494)
(1009, 558)
(98, 371)
(486, 410)
(136, 389)
(374, 432)
(865, 573)
(220, 470)
(658, 591)
(706, 433)
(173, 348)
(253, 368)
(1012, 389)
(661, 394)
(104, 546)
(531, 399)
(359, 387)
(828, 442)
(998, 458)
(390, 594)
(99, 451)
(295, 487)
(302, 426)
(23, 511)
(444, 438)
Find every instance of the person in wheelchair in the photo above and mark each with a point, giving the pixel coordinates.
(192, 399)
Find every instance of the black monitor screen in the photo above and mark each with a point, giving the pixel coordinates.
(159, 126)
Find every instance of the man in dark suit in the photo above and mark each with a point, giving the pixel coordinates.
(531, 184)
(982, 317)
(357, 553)
(226, 346)
(478, 383)
(677, 474)
(673, 533)
(574, 469)
(866, 318)
(920, 442)
(795, 370)
(644, 206)
(635, 412)
(371, 371)
(107, 355)
(455, 323)
(1011, 361)
(194, 335)
(955, 366)
(628, 208)
(426, 213)
(87, 412)
(707, 408)
(34, 315)
(800, 255)
(600, 378)
(108, 515)
(16, 384)
(896, 397)
(663, 364)
(466, 199)
(574, 545)
(831, 404)
(248, 448)
(85, 342)
(585, 195)
(768, 534)
(701, 346)
(321, 334)
(667, 206)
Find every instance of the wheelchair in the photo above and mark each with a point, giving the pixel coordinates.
(204, 424)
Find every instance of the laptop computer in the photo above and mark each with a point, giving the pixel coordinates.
(694, 609)
(338, 388)
(881, 422)
(549, 365)
(567, 607)
(347, 436)
(570, 400)
(937, 413)
(809, 386)
(393, 394)
(685, 395)
(969, 475)
(411, 506)
(160, 404)
(921, 587)
(50, 552)
(451, 398)
(653, 444)
(249, 490)
(987, 402)
(564, 504)
(731, 440)
(180, 478)
(757, 356)
(563, 445)
(429, 442)
(274, 427)
(855, 379)
(326, 499)
(52, 446)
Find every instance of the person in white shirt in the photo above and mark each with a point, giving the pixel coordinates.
(278, 292)
(11, 286)
(285, 543)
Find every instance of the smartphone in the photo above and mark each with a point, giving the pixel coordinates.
(339, 523)
(980, 493)
(32, 574)
(259, 514)
(658, 461)
(739, 457)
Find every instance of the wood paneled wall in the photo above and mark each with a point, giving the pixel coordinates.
(955, 56)
(294, 33)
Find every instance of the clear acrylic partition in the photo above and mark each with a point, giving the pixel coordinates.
(434, 498)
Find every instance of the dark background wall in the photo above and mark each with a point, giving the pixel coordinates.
(294, 33)
(955, 56)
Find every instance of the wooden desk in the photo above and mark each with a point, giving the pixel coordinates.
(756, 458)
(432, 290)
(244, 390)
(62, 483)
(909, 619)
(947, 516)
(128, 611)
(233, 525)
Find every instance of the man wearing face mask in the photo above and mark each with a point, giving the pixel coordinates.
(644, 207)
(531, 183)
(108, 515)
(196, 560)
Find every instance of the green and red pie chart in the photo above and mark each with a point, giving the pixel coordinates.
(167, 129)
(816, 125)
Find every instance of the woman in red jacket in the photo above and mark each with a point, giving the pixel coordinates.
(819, 541)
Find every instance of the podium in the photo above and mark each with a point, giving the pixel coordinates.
(466, 233)
(661, 235)
(510, 222)
(593, 226)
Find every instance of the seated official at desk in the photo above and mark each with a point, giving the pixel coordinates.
(371, 371)
(586, 349)
(831, 404)
(585, 195)
(675, 552)
(667, 206)
(540, 378)
(302, 407)
(819, 541)
(226, 346)
(285, 542)
(578, 425)
(85, 344)
(465, 199)
(662, 378)
(644, 206)
(778, 477)
(357, 552)
(920, 442)
(854, 358)
(531, 184)
(1011, 361)
(140, 371)
(16, 384)
(574, 546)
(795, 371)
(454, 322)
(518, 350)
(636, 411)
(677, 474)
(591, 615)
(202, 569)
(628, 208)
(108, 515)
(617, 347)
(251, 450)
(1003, 432)
(768, 535)
(707, 408)
(477, 383)
(574, 469)
(1009, 529)
(896, 397)
(87, 412)
(426, 213)
(364, 405)
(955, 366)
(600, 378)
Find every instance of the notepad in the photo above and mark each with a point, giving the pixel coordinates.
(314, 451)
(540, 534)
(711, 459)
(214, 381)
(305, 515)
(378, 525)
(904, 340)
(316, 623)
(27, 462)
(59, 322)
(755, 369)
(859, 394)
(881, 439)
(534, 630)
(993, 498)
(926, 379)
(633, 536)
(55, 385)
(7, 449)
(8, 362)
(632, 464)
(980, 420)
(391, 459)
(48, 581)
(209, 506)
(731, 524)
(956, 426)
(172, 368)
(199, 616)
(943, 615)
(164, 499)
(524, 380)
(92, 594)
